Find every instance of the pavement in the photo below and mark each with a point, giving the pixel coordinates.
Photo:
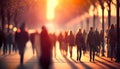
(59, 62)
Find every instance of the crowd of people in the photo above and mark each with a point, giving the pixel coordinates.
(92, 42)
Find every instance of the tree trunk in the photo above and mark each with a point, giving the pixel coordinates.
(103, 28)
(94, 17)
(3, 19)
(15, 20)
(118, 34)
(87, 23)
(109, 15)
(8, 18)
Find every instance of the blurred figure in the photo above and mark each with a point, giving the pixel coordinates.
(9, 42)
(112, 40)
(53, 40)
(46, 49)
(107, 41)
(97, 42)
(79, 42)
(66, 43)
(101, 42)
(91, 43)
(33, 40)
(21, 39)
(71, 40)
(5, 44)
(60, 39)
(84, 40)
(13, 43)
(2, 38)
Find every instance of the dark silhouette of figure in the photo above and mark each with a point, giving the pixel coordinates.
(66, 43)
(107, 41)
(53, 40)
(60, 39)
(46, 49)
(112, 40)
(71, 40)
(84, 40)
(91, 43)
(9, 42)
(5, 44)
(97, 42)
(2, 38)
(21, 39)
(79, 42)
(102, 41)
(32, 39)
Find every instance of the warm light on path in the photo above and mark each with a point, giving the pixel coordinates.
(51, 5)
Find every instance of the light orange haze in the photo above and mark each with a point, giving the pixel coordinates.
(51, 5)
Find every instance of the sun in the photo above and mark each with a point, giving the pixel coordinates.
(51, 5)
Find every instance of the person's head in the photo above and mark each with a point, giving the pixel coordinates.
(71, 32)
(79, 30)
(44, 29)
(91, 28)
(22, 27)
(112, 26)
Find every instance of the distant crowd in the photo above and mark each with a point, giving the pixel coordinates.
(92, 42)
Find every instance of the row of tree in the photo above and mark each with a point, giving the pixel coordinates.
(14, 9)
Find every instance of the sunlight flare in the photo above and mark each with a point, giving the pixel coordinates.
(51, 5)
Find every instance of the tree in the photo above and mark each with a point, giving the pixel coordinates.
(101, 2)
(109, 11)
(118, 32)
(93, 2)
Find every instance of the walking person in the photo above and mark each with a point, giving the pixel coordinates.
(46, 49)
(71, 40)
(97, 43)
(2, 39)
(79, 42)
(91, 43)
(33, 40)
(21, 39)
(112, 41)
(102, 42)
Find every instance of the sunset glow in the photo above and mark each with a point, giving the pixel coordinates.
(51, 5)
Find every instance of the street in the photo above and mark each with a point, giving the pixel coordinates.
(59, 62)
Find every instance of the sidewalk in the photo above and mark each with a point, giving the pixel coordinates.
(31, 62)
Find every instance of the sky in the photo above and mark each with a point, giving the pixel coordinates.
(34, 17)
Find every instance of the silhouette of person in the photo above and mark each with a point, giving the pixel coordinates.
(9, 42)
(79, 42)
(84, 40)
(33, 40)
(53, 41)
(46, 49)
(66, 43)
(97, 42)
(21, 39)
(112, 40)
(2, 38)
(101, 41)
(60, 39)
(71, 40)
(91, 43)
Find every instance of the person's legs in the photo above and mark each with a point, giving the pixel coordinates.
(70, 47)
(93, 53)
(80, 54)
(77, 53)
(90, 54)
(9, 48)
(22, 57)
(103, 49)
